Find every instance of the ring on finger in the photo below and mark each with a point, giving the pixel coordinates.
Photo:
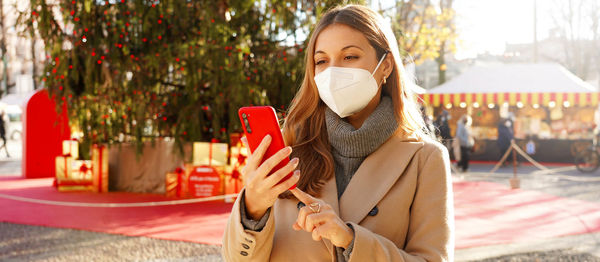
(315, 207)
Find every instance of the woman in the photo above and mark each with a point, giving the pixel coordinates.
(371, 185)
(466, 141)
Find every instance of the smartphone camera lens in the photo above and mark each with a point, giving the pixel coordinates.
(246, 123)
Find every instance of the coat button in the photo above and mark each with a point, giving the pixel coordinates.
(248, 240)
(374, 211)
(244, 253)
(245, 246)
(300, 205)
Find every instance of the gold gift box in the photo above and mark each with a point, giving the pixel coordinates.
(70, 147)
(82, 170)
(175, 184)
(63, 167)
(100, 168)
(209, 154)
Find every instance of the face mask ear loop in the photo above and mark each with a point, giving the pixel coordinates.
(380, 61)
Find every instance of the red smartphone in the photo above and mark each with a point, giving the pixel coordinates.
(259, 121)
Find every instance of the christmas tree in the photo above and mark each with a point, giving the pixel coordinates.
(138, 70)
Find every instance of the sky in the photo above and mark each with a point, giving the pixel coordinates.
(485, 26)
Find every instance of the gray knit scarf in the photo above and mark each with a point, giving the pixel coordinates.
(350, 146)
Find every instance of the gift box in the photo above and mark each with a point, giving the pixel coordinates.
(70, 147)
(233, 184)
(100, 168)
(63, 167)
(74, 185)
(174, 186)
(233, 180)
(209, 154)
(204, 181)
(82, 170)
(238, 155)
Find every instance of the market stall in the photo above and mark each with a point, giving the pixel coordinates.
(548, 105)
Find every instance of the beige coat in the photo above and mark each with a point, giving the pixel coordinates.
(410, 184)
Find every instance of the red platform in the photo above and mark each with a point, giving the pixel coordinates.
(486, 214)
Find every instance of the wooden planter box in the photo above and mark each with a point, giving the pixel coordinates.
(143, 173)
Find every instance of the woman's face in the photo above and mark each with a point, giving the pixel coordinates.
(342, 46)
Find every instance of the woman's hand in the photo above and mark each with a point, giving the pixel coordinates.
(318, 218)
(262, 190)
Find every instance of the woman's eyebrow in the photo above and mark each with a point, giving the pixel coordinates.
(349, 46)
(346, 47)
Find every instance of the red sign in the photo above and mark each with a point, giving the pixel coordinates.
(43, 132)
(204, 181)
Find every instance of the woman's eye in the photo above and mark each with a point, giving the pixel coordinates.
(350, 57)
(320, 62)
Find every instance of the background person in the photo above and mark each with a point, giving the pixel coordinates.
(505, 135)
(3, 133)
(466, 141)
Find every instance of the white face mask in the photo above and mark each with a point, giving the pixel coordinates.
(347, 90)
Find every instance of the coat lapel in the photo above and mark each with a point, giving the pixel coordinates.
(330, 197)
(375, 177)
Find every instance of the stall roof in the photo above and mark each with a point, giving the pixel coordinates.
(515, 78)
(515, 84)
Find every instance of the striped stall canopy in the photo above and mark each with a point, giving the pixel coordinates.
(515, 84)
(541, 99)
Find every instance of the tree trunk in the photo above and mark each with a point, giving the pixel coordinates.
(33, 60)
(441, 62)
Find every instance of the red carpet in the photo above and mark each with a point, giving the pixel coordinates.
(199, 222)
(486, 214)
(489, 213)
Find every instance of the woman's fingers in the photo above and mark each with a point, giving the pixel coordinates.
(315, 219)
(245, 142)
(302, 213)
(296, 227)
(316, 234)
(274, 178)
(265, 168)
(256, 157)
(285, 185)
(303, 196)
(322, 231)
(307, 218)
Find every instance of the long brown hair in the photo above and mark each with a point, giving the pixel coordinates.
(304, 128)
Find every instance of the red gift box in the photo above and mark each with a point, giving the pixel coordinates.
(204, 181)
(174, 186)
(100, 168)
